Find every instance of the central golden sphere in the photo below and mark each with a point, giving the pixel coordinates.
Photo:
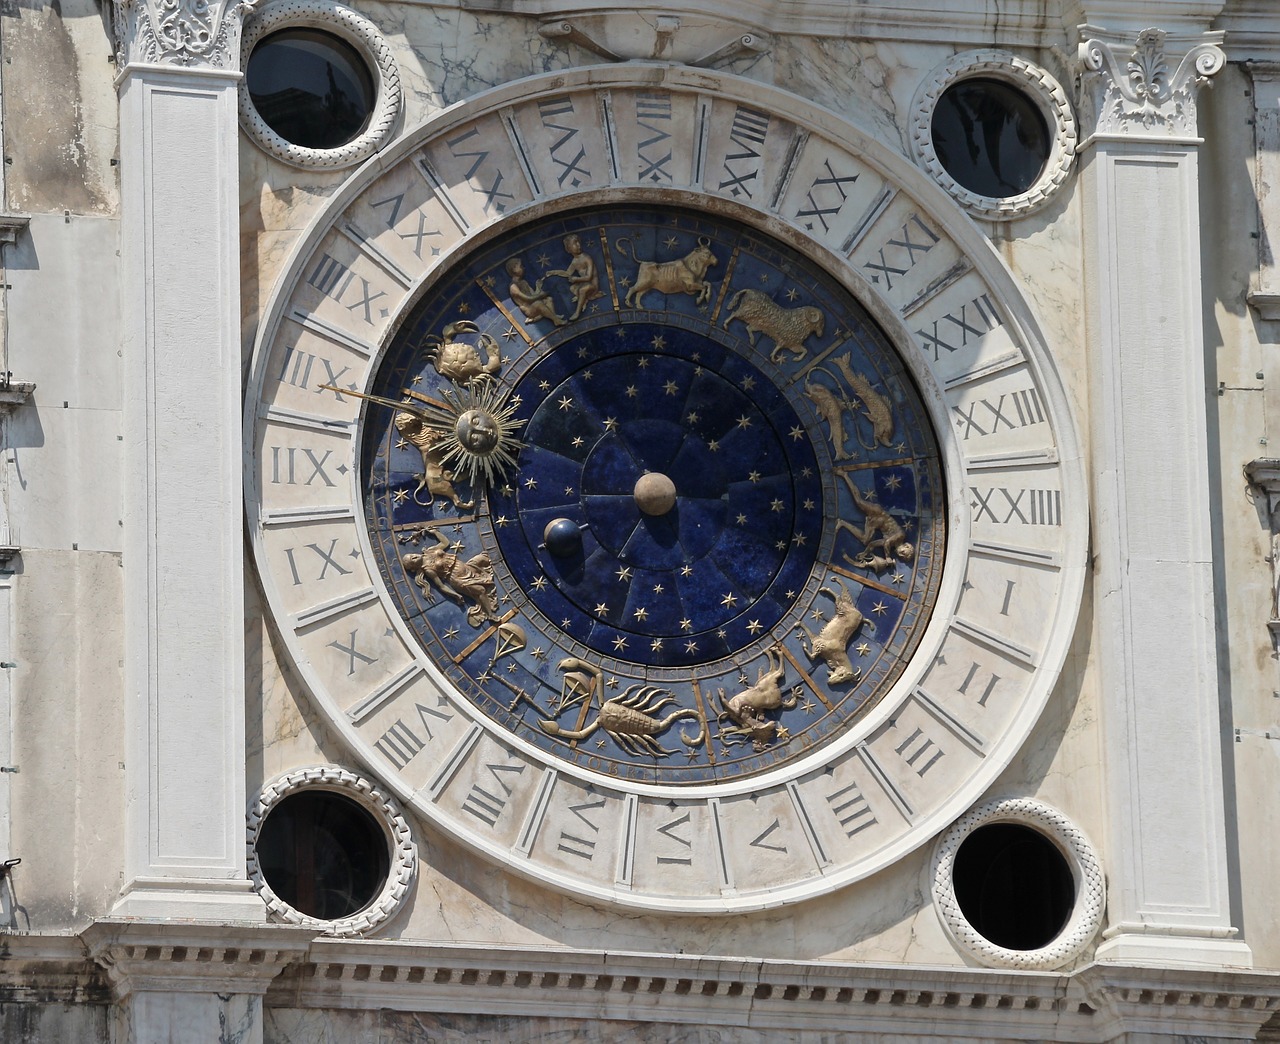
(655, 493)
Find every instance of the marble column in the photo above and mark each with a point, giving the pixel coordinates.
(184, 607)
(1154, 596)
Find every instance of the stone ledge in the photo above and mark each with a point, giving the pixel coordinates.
(13, 393)
(1091, 1004)
(192, 956)
(297, 970)
(1266, 304)
(11, 225)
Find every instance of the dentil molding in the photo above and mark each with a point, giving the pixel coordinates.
(191, 33)
(297, 970)
(1144, 86)
(192, 956)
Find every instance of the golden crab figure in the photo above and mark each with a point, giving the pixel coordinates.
(460, 361)
(475, 429)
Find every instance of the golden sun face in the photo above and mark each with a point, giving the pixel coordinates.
(481, 442)
(474, 431)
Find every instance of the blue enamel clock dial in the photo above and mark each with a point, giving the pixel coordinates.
(668, 587)
(654, 494)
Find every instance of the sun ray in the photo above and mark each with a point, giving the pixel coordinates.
(477, 428)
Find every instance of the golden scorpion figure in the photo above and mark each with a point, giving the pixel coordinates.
(631, 719)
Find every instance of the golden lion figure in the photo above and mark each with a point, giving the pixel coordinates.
(436, 479)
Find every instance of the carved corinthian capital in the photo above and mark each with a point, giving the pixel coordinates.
(179, 32)
(1145, 86)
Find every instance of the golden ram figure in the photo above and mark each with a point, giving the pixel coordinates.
(788, 328)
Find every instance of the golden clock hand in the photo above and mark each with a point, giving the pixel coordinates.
(435, 416)
(478, 433)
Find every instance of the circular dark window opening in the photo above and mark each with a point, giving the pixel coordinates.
(323, 854)
(1013, 886)
(991, 137)
(312, 88)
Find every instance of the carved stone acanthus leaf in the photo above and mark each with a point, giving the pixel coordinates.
(179, 32)
(1138, 93)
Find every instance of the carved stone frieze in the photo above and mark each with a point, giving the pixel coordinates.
(619, 36)
(189, 33)
(1146, 86)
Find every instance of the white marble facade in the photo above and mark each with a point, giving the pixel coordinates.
(1126, 707)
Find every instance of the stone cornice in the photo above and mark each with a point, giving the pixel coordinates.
(952, 22)
(299, 970)
(1094, 1003)
(184, 33)
(1144, 86)
(49, 969)
(1130, 16)
(192, 956)
(1253, 30)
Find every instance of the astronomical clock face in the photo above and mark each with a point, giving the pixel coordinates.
(643, 515)
(671, 561)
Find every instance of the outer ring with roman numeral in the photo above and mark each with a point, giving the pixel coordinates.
(1014, 569)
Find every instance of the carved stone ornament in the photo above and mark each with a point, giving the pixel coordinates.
(361, 34)
(383, 808)
(1090, 887)
(1037, 83)
(179, 32)
(1152, 90)
(1264, 476)
(624, 35)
